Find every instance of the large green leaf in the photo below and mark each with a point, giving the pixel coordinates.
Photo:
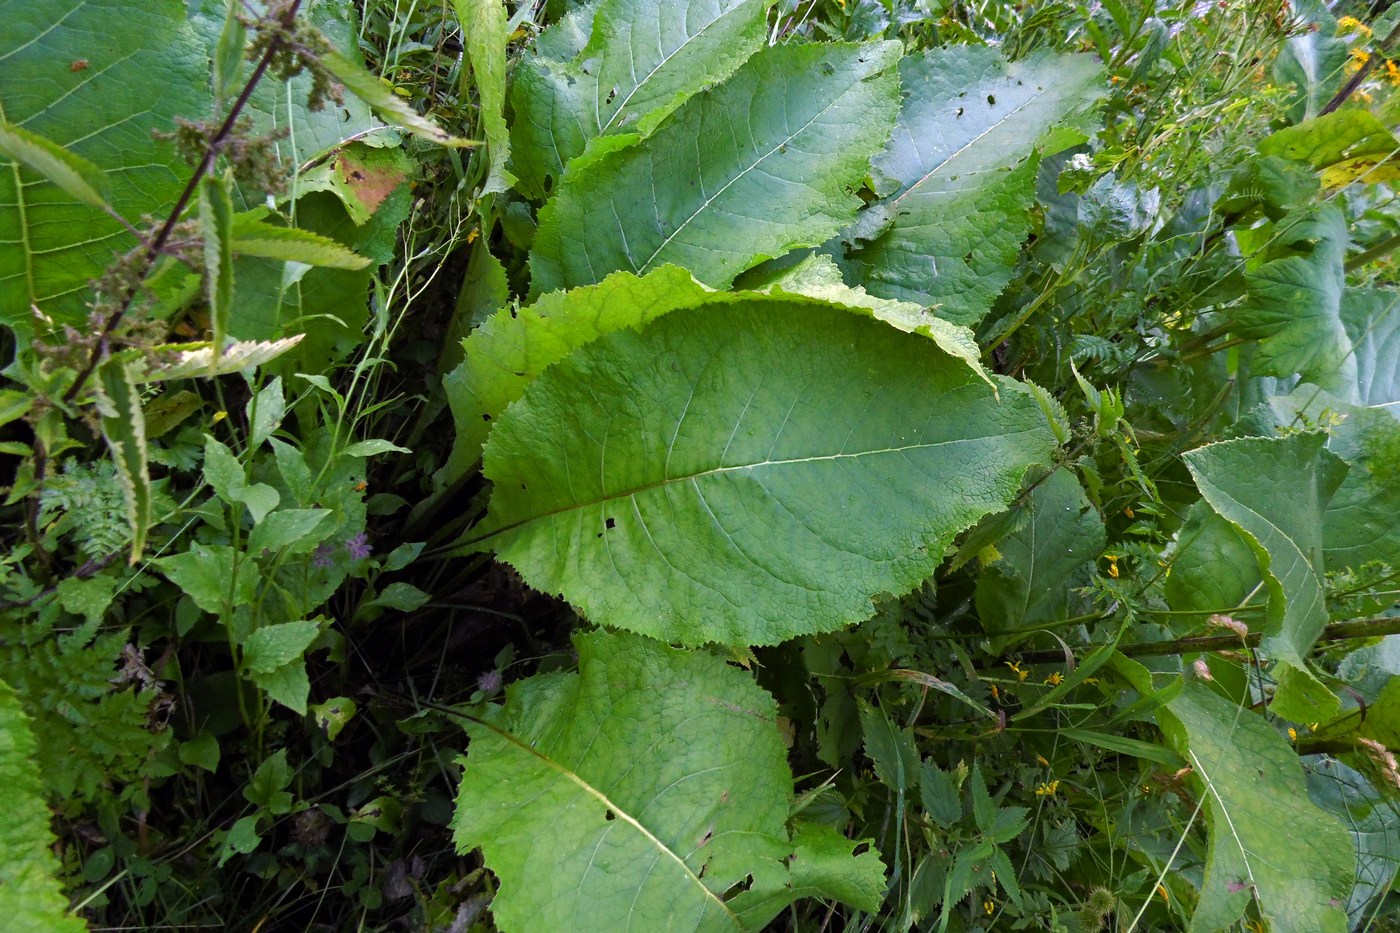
(1031, 581)
(1293, 305)
(1359, 524)
(1312, 62)
(957, 177)
(649, 791)
(66, 68)
(766, 162)
(1212, 567)
(1344, 146)
(1268, 841)
(1371, 317)
(643, 59)
(30, 898)
(1275, 490)
(485, 35)
(515, 345)
(1373, 823)
(744, 474)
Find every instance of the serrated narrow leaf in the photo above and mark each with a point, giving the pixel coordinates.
(639, 793)
(75, 176)
(485, 35)
(643, 59)
(737, 474)
(958, 175)
(1275, 491)
(385, 103)
(251, 237)
(1298, 869)
(186, 361)
(30, 896)
(124, 427)
(227, 60)
(762, 164)
(216, 228)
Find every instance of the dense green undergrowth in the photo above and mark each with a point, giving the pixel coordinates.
(699, 465)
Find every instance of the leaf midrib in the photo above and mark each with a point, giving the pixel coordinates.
(714, 471)
(605, 127)
(622, 814)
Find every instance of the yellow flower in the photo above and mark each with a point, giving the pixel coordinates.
(989, 906)
(219, 416)
(1352, 24)
(1021, 673)
(1047, 789)
(1162, 890)
(1292, 734)
(996, 694)
(1112, 565)
(1358, 58)
(1043, 762)
(1054, 679)
(1392, 72)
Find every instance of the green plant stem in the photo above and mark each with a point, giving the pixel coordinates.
(1339, 631)
(157, 245)
(1384, 247)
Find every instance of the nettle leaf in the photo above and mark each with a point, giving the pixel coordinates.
(746, 474)
(764, 163)
(485, 35)
(1293, 305)
(30, 895)
(1344, 146)
(77, 177)
(648, 791)
(188, 360)
(250, 236)
(216, 228)
(643, 59)
(104, 60)
(1268, 841)
(386, 105)
(1031, 582)
(958, 175)
(124, 428)
(1275, 491)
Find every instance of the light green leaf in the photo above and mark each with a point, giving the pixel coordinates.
(638, 792)
(300, 529)
(958, 175)
(514, 346)
(1212, 567)
(384, 102)
(643, 59)
(272, 646)
(242, 838)
(1040, 562)
(225, 474)
(373, 448)
(1344, 146)
(736, 474)
(31, 900)
(67, 67)
(202, 751)
(334, 714)
(75, 176)
(1313, 64)
(288, 685)
(485, 34)
(1371, 317)
(208, 575)
(185, 361)
(228, 53)
(124, 428)
(762, 164)
(252, 237)
(1293, 306)
(400, 596)
(1275, 491)
(216, 227)
(265, 412)
(1359, 524)
(1268, 841)
(823, 865)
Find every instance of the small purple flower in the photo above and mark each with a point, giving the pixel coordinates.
(359, 547)
(321, 557)
(489, 682)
